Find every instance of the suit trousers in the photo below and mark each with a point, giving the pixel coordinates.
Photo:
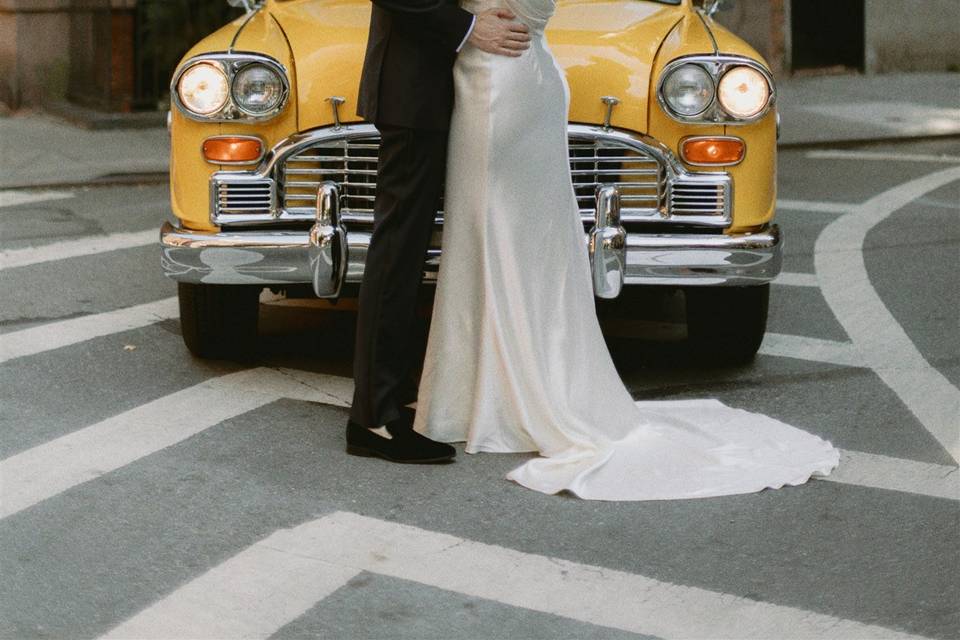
(411, 172)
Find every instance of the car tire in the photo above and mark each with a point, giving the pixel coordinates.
(725, 325)
(219, 321)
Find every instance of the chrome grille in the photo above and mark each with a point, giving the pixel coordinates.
(654, 186)
(696, 198)
(352, 164)
(243, 195)
(638, 175)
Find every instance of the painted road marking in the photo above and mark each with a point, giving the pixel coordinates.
(325, 552)
(76, 247)
(815, 207)
(251, 595)
(813, 349)
(881, 342)
(837, 154)
(55, 335)
(896, 474)
(56, 466)
(789, 279)
(53, 467)
(15, 198)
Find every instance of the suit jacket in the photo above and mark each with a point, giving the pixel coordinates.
(407, 78)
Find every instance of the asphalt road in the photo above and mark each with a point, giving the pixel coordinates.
(149, 494)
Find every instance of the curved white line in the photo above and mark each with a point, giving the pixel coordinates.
(883, 344)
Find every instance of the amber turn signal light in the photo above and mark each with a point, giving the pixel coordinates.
(713, 151)
(232, 150)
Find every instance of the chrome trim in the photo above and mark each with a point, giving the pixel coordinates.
(611, 102)
(741, 259)
(328, 244)
(284, 257)
(706, 27)
(675, 178)
(263, 150)
(250, 15)
(249, 6)
(230, 63)
(717, 66)
(607, 245)
(335, 102)
(712, 164)
(221, 183)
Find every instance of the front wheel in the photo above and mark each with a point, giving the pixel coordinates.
(219, 321)
(727, 324)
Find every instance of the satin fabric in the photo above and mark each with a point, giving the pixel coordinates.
(516, 361)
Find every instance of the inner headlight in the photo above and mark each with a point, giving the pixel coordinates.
(203, 88)
(257, 89)
(743, 92)
(689, 90)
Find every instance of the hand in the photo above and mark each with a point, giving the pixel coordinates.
(495, 32)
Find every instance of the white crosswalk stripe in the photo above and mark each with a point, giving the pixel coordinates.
(814, 206)
(880, 156)
(56, 466)
(51, 468)
(896, 474)
(63, 333)
(788, 279)
(813, 349)
(315, 558)
(76, 247)
(13, 198)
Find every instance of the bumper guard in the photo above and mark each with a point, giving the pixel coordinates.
(328, 255)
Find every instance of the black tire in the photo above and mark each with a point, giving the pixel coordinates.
(219, 321)
(725, 325)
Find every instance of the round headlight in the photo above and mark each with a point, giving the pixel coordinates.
(689, 90)
(257, 89)
(743, 92)
(203, 88)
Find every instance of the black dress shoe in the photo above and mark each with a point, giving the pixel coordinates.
(404, 444)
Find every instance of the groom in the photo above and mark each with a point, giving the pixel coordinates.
(407, 91)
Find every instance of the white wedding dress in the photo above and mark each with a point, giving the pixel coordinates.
(516, 361)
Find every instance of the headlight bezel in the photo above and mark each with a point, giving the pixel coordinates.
(717, 66)
(217, 69)
(231, 64)
(712, 89)
(235, 84)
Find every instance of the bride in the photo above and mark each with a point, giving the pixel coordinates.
(516, 361)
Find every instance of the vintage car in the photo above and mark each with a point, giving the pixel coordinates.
(672, 133)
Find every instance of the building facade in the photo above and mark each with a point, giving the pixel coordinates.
(117, 55)
(865, 36)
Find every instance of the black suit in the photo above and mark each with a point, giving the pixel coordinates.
(407, 91)
(407, 76)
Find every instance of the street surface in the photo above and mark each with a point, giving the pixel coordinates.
(149, 494)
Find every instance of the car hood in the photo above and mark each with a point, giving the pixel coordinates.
(606, 47)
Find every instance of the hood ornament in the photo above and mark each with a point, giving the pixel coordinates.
(611, 103)
(335, 102)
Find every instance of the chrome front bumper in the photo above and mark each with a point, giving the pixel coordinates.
(328, 255)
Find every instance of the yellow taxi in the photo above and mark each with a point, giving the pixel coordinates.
(672, 130)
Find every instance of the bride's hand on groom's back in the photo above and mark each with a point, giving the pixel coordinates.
(497, 32)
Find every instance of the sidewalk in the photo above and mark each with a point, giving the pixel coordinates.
(844, 109)
(41, 150)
